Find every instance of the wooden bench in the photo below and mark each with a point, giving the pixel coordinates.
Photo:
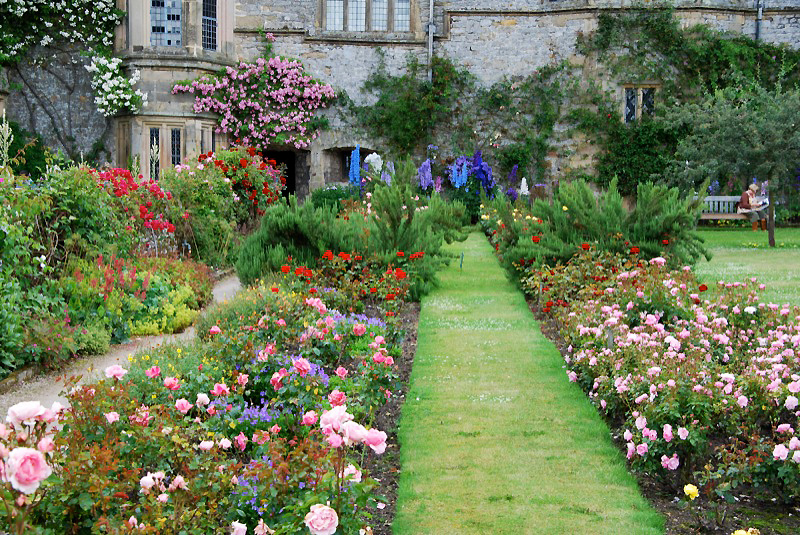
(721, 207)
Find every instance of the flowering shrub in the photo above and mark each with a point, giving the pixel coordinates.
(271, 101)
(114, 93)
(27, 23)
(685, 372)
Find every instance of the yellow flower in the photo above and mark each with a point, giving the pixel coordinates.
(691, 491)
(564, 208)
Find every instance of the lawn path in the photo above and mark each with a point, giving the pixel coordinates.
(47, 388)
(494, 438)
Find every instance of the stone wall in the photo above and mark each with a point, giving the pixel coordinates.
(51, 95)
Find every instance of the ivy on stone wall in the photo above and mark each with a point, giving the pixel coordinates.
(638, 46)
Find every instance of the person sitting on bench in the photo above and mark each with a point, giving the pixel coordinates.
(756, 211)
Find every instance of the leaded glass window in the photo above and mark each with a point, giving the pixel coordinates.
(176, 146)
(630, 104)
(368, 15)
(210, 24)
(648, 100)
(155, 151)
(165, 22)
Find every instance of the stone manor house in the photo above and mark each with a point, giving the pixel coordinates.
(338, 42)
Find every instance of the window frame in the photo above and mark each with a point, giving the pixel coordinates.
(163, 36)
(392, 7)
(638, 112)
(209, 26)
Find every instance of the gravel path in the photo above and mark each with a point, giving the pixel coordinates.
(47, 388)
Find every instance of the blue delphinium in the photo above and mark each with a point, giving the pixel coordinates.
(512, 176)
(459, 172)
(482, 172)
(387, 172)
(511, 193)
(355, 167)
(424, 175)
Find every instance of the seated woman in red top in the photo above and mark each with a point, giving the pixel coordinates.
(755, 210)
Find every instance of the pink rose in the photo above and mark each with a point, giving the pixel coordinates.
(334, 440)
(784, 428)
(25, 411)
(670, 463)
(352, 473)
(379, 339)
(264, 354)
(116, 371)
(26, 468)
(353, 433)
(780, 453)
(334, 418)
(225, 444)
(742, 401)
(281, 323)
(668, 432)
(791, 402)
(683, 433)
(111, 416)
(242, 379)
(220, 390)
(178, 483)
(309, 418)
(359, 329)
(238, 529)
(337, 398)
(183, 405)
(163, 497)
(172, 383)
(206, 445)
(322, 520)
(241, 441)
(302, 366)
(153, 372)
(378, 357)
(376, 440)
(214, 330)
(46, 445)
(642, 448)
(275, 429)
(202, 399)
(276, 381)
(631, 449)
(341, 372)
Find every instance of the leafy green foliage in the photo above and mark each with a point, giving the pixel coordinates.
(334, 195)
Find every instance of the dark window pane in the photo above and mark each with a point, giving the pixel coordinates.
(154, 151)
(630, 105)
(176, 146)
(648, 100)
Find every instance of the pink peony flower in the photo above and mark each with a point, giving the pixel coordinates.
(112, 416)
(310, 418)
(359, 329)
(25, 469)
(341, 372)
(337, 398)
(302, 366)
(172, 383)
(322, 520)
(183, 405)
(116, 371)
(220, 390)
(214, 330)
(376, 440)
(153, 372)
(238, 529)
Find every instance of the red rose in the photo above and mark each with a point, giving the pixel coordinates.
(536, 239)
(285, 269)
(585, 246)
(703, 288)
(400, 253)
(634, 250)
(665, 242)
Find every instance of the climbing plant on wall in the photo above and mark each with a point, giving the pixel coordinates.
(28, 23)
(646, 45)
(270, 101)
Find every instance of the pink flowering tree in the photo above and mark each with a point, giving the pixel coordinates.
(271, 101)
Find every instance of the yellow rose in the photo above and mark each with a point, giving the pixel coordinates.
(691, 491)
(564, 208)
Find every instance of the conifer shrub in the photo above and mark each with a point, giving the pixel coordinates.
(288, 229)
(550, 233)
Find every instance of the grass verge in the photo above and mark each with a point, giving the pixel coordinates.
(740, 254)
(494, 439)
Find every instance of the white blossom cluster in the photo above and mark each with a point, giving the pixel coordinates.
(27, 23)
(114, 92)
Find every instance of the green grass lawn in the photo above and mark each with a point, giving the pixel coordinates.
(494, 438)
(740, 253)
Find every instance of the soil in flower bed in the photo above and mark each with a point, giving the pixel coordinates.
(386, 467)
(770, 518)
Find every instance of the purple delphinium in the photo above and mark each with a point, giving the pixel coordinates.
(424, 175)
(511, 193)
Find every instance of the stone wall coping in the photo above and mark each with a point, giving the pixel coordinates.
(163, 63)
